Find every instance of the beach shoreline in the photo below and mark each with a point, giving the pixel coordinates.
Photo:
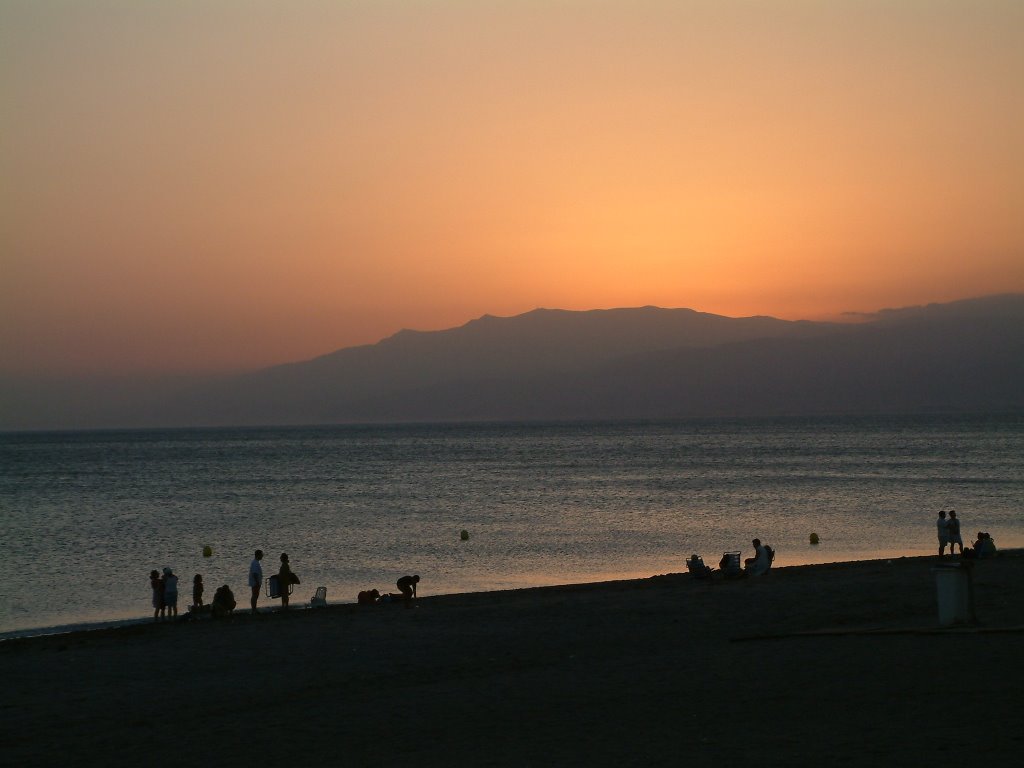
(844, 661)
(93, 625)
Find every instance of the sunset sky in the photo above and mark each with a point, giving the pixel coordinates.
(223, 185)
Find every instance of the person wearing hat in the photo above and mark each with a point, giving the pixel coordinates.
(170, 592)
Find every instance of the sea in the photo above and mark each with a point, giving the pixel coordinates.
(85, 516)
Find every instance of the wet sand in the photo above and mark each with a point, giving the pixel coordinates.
(836, 664)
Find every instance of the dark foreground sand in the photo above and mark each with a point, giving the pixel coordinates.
(784, 669)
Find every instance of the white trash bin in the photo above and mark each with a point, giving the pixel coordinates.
(954, 594)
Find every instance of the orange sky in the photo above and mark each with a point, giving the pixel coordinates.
(224, 185)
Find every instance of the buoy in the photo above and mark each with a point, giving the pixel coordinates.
(464, 535)
(207, 551)
(814, 538)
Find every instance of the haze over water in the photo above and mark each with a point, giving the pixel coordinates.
(85, 516)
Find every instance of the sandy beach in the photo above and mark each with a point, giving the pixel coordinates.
(841, 663)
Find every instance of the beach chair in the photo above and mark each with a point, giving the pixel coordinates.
(319, 598)
(274, 587)
(696, 568)
(730, 564)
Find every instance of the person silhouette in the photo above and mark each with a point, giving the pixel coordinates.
(197, 592)
(760, 562)
(942, 527)
(407, 586)
(255, 578)
(157, 585)
(170, 592)
(285, 578)
(953, 532)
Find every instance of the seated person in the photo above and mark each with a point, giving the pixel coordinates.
(223, 602)
(695, 565)
(368, 597)
(760, 562)
(986, 546)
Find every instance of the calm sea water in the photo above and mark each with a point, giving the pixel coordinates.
(85, 516)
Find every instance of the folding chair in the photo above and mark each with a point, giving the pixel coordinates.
(274, 587)
(731, 567)
(319, 599)
(695, 565)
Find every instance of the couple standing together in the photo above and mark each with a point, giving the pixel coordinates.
(949, 532)
(285, 578)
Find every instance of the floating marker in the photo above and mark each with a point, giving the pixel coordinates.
(464, 535)
(207, 551)
(814, 538)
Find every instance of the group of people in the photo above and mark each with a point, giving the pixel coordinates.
(285, 579)
(165, 586)
(165, 590)
(165, 596)
(406, 593)
(949, 532)
(729, 565)
(949, 536)
(165, 593)
(984, 546)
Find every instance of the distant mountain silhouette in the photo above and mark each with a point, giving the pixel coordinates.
(966, 356)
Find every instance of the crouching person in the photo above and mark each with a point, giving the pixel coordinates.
(223, 602)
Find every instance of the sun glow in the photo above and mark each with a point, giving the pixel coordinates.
(305, 181)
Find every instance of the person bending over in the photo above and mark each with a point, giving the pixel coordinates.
(407, 586)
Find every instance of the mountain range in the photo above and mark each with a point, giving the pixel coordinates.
(639, 363)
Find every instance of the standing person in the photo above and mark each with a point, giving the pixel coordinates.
(170, 592)
(255, 578)
(157, 585)
(953, 532)
(407, 586)
(285, 578)
(942, 524)
(197, 592)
